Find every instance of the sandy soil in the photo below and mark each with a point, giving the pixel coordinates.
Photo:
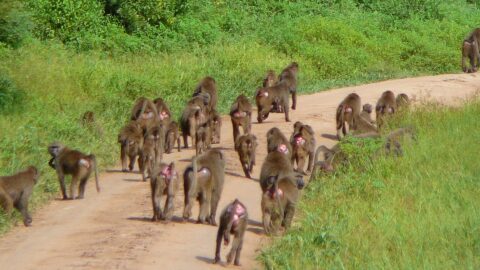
(112, 230)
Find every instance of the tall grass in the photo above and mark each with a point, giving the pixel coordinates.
(419, 211)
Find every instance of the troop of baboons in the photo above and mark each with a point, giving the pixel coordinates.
(151, 133)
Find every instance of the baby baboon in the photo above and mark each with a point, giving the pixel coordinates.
(164, 181)
(203, 180)
(79, 165)
(402, 101)
(233, 220)
(276, 141)
(468, 51)
(289, 77)
(144, 112)
(279, 201)
(269, 97)
(193, 116)
(246, 147)
(241, 115)
(386, 105)
(152, 150)
(270, 79)
(216, 126)
(172, 136)
(208, 85)
(276, 164)
(88, 121)
(346, 112)
(131, 143)
(15, 190)
(203, 138)
(366, 113)
(164, 114)
(303, 146)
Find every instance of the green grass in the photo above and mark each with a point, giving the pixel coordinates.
(55, 67)
(419, 211)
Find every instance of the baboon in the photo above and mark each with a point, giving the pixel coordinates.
(144, 112)
(131, 143)
(203, 180)
(172, 136)
(289, 77)
(331, 158)
(241, 115)
(279, 202)
(233, 220)
(164, 181)
(203, 138)
(79, 165)
(474, 40)
(152, 150)
(386, 105)
(275, 164)
(164, 114)
(346, 111)
(270, 97)
(216, 126)
(392, 142)
(366, 113)
(402, 101)
(193, 116)
(276, 141)
(468, 51)
(88, 121)
(246, 147)
(208, 85)
(270, 79)
(15, 191)
(303, 146)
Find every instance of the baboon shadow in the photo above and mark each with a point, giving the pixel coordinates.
(132, 180)
(241, 175)
(258, 231)
(185, 160)
(252, 222)
(116, 171)
(174, 219)
(330, 136)
(208, 260)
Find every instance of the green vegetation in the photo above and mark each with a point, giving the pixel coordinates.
(60, 58)
(418, 211)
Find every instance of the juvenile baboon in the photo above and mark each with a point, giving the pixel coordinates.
(203, 138)
(241, 115)
(474, 40)
(366, 113)
(246, 147)
(152, 150)
(233, 220)
(468, 51)
(270, 79)
(203, 180)
(346, 111)
(279, 201)
(164, 181)
(386, 105)
(172, 136)
(276, 164)
(144, 112)
(393, 139)
(208, 85)
(79, 165)
(88, 121)
(402, 101)
(216, 126)
(15, 191)
(303, 146)
(269, 97)
(331, 158)
(289, 77)
(276, 141)
(164, 114)
(194, 115)
(131, 143)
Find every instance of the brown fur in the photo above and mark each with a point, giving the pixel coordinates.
(216, 127)
(241, 115)
(403, 101)
(79, 165)
(164, 181)
(470, 49)
(164, 114)
(269, 97)
(366, 113)
(194, 115)
(270, 79)
(144, 112)
(171, 136)
(276, 164)
(289, 77)
(246, 147)
(386, 105)
(203, 138)
(15, 191)
(276, 141)
(303, 146)
(346, 111)
(208, 85)
(131, 143)
(233, 220)
(203, 180)
(152, 150)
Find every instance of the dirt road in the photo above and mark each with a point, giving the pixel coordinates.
(112, 230)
